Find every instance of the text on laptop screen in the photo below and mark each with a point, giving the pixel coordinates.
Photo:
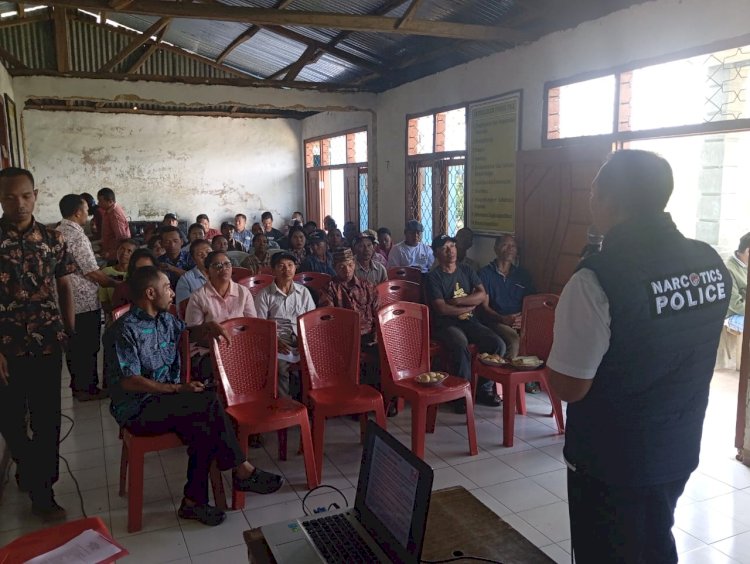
(391, 490)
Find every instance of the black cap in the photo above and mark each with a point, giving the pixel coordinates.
(441, 240)
(276, 258)
(317, 236)
(169, 215)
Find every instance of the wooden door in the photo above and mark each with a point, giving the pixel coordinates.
(313, 205)
(552, 209)
(351, 194)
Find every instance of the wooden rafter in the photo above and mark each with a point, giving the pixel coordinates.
(41, 16)
(62, 45)
(299, 64)
(409, 14)
(20, 9)
(119, 4)
(135, 44)
(149, 51)
(267, 16)
(11, 59)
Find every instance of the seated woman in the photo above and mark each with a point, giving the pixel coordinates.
(260, 257)
(297, 242)
(140, 257)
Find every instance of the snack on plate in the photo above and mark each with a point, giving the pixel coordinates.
(430, 377)
(491, 358)
(527, 361)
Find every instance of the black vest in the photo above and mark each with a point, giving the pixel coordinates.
(641, 421)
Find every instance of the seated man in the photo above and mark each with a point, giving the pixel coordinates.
(260, 257)
(284, 301)
(454, 291)
(195, 278)
(273, 235)
(143, 367)
(195, 231)
(242, 234)
(506, 285)
(737, 266)
(464, 242)
(336, 240)
(411, 251)
(366, 268)
(175, 261)
(209, 231)
(228, 230)
(319, 259)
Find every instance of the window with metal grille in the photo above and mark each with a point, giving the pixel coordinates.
(436, 153)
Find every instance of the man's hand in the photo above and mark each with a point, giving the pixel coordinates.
(516, 321)
(217, 331)
(4, 372)
(513, 321)
(283, 347)
(190, 387)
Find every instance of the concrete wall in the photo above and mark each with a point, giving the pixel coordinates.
(156, 164)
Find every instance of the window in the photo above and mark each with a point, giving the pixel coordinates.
(694, 111)
(436, 154)
(336, 178)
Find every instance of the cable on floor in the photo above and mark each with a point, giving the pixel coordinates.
(304, 499)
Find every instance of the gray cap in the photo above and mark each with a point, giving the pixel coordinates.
(413, 225)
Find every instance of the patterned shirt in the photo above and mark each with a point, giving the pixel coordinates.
(254, 263)
(85, 292)
(375, 273)
(140, 345)
(284, 309)
(30, 262)
(301, 254)
(356, 294)
(115, 227)
(244, 238)
(183, 261)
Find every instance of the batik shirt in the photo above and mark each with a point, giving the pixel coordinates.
(254, 263)
(85, 292)
(30, 262)
(357, 295)
(140, 345)
(183, 261)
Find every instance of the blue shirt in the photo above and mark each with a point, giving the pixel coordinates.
(244, 238)
(183, 261)
(506, 293)
(313, 264)
(140, 345)
(188, 283)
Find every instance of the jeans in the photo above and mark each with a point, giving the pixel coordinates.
(510, 337)
(456, 335)
(83, 348)
(622, 524)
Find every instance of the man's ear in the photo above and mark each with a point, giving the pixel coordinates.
(151, 293)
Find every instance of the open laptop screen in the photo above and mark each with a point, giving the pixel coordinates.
(393, 495)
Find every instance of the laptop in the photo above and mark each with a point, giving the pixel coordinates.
(386, 524)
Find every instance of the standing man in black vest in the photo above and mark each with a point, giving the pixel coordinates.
(636, 333)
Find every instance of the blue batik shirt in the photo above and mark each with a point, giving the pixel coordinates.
(183, 261)
(140, 345)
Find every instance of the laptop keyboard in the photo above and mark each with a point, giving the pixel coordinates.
(338, 541)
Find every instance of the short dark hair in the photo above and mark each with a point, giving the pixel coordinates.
(298, 213)
(744, 242)
(197, 243)
(106, 194)
(293, 229)
(211, 256)
(201, 216)
(70, 204)
(242, 215)
(90, 201)
(164, 229)
(218, 238)
(283, 255)
(636, 181)
(196, 226)
(14, 171)
(136, 256)
(384, 231)
(228, 225)
(142, 279)
(151, 243)
(500, 238)
(127, 241)
(311, 224)
(266, 215)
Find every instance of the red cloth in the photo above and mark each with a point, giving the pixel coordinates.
(115, 227)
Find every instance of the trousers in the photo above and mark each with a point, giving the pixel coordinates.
(34, 384)
(622, 524)
(198, 418)
(83, 348)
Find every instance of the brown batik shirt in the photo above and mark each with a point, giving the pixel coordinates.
(358, 295)
(30, 263)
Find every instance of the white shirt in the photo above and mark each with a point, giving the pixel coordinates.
(419, 256)
(582, 327)
(284, 309)
(85, 291)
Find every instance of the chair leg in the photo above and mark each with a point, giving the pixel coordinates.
(418, 424)
(363, 426)
(135, 490)
(238, 497)
(217, 486)
(380, 415)
(509, 413)
(281, 434)
(123, 470)
(431, 418)
(318, 429)
(521, 399)
(308, 452)
(470, 425)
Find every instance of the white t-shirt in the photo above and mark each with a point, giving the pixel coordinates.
(419, 256)
(582, 332)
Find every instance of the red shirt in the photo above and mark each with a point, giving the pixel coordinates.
(115, 227)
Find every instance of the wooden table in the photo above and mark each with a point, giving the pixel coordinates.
(456, 521)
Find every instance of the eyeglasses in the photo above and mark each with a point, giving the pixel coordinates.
(221, 265)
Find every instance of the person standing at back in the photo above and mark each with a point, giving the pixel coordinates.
(737, 266)
(635, 339)
(411, 251)
(115, 226)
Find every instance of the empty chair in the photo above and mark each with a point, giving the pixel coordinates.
(405, 273)
(256, 283)
(329, 349)
(248, 371)
(404, 342)
(398, 290)
(238, 272)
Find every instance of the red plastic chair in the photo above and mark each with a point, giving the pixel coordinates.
(182, 308)
(256, 283)
(266, 270)
(134, 449)
(119, 311)
(329, 350)
(248, 370)
(537, 323)
(238, 272)
(405, 273)
(318, 281)
(398, 290)
(404, 339)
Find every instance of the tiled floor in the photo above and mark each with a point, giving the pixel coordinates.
(525, 484)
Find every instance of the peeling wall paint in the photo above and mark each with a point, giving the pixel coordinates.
(158, 164)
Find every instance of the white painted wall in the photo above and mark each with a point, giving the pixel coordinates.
(157, 164)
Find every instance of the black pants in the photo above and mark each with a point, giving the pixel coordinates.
(83, 349)
(198, 418)
(622, 524)
(34, 383)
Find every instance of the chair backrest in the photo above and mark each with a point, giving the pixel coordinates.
(329, 339)
(315, 280)
(119, 311)
(266, 270)
(239, 272)
(185, 364)
(537, 324)
(182, 308)
(398, 290)
(405, 273)
(257, 282)
(247, 367)
(404, 339)
(172, 309)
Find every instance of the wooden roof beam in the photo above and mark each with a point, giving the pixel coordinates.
(272, 17)
(135, 44)
(62, 45)
(12, 60)
(409, 14)
(150, 51)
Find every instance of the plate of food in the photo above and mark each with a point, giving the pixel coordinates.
(492, 359)
(431, 378)
(527, 362)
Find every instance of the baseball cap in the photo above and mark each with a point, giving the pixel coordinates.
(317, 236)
(441, 240)
(169, 215)
(413, 225)
(276, 258)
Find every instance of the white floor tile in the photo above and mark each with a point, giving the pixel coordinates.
(555, 482)
(520, 495)
(685, 542)
(156, 515)
(532, 535)
(232, 554)
(155, 547)
(532, 462)
(552, 519)
(737, 547)
(498, 508)
(258, 517)
(488, 471)
(449, 477)
(707, 526)
(201, 539)
(701, 487)
(556, 553)
(735, 504)
(706, 555)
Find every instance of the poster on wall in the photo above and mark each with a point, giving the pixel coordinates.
(15, 146)
(4, 139)
(494, 132)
